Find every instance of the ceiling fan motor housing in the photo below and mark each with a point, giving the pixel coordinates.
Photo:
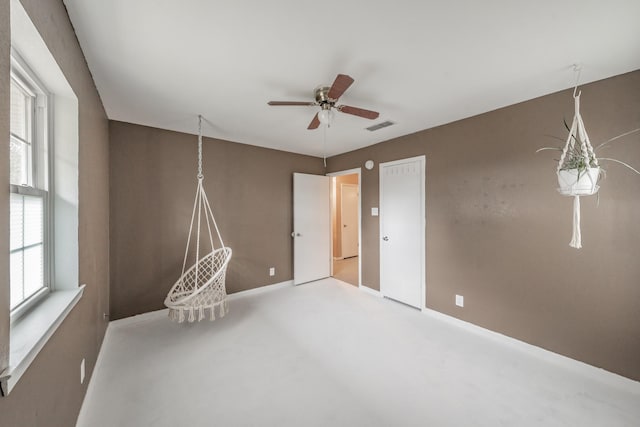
(322, 98)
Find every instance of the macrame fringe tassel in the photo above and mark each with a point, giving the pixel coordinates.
(179, 315)
(222, 308)
(576, 239)
(226, 306)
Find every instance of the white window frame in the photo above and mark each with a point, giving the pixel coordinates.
(31, 332)
(40, 182)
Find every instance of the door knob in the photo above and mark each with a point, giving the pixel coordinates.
(294, 234)
(385, 238)
(344, 225)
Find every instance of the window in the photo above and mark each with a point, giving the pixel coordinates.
(43, 199)
(29, 198)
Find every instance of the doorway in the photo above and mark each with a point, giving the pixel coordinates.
(345, 226)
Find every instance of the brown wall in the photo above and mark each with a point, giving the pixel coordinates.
(498, 232)
(49, 393)
(337, 220)
(152, 188)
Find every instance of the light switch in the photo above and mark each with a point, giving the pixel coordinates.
(374, 211)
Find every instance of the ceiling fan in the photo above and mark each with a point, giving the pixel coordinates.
(326, 98)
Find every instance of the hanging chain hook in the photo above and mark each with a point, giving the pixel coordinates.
(200, 175)
(577, 69)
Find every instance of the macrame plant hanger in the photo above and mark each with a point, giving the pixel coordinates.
(578, 170)
(201, 287)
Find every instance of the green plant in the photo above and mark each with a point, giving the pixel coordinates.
(575, 159)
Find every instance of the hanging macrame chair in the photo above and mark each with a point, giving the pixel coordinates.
(578, 170)
(201, 288)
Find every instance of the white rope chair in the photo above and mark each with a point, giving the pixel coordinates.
(201, 288)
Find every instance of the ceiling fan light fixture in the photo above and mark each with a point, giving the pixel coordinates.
(325, 116)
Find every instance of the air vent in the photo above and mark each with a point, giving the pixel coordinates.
(380, 126)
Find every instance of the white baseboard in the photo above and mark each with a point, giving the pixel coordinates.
(582, 368)
(150, 315)
(262, 289)
(368, 290)
(164, 312)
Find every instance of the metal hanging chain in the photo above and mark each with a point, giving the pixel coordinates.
(200, 175)
(324, 148)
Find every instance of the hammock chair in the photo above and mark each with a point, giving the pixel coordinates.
(201, 288)
(578, 170)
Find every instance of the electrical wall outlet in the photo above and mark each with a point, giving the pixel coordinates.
(459, 300)
(272, 271)
(82, 372)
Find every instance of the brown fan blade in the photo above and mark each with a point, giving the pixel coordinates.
(360, 112)
(314, 123)
(285, 103)
(340, 84)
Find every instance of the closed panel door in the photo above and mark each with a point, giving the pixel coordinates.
(349, 219)
(311, 227)
(402, 231)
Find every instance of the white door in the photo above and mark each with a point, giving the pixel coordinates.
(311, 227)
(349, 219)
(402, 230)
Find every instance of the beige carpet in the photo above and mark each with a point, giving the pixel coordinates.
(346, 270)
(327, 354)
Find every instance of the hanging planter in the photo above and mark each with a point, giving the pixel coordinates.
(578, 168)
(578, 171)
(577, 182)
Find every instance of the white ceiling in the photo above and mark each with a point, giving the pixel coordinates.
(419, 63)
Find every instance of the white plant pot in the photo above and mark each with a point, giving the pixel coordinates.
(578, 183)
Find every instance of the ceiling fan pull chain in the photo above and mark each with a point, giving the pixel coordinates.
(325, 147)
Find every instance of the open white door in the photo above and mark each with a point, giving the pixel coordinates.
(402, 231)
(311, 227)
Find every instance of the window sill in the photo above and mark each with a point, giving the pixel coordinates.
(31, 332)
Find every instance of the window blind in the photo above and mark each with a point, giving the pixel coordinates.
(26, 246)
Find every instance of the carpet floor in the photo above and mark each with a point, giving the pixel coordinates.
(328, 354)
